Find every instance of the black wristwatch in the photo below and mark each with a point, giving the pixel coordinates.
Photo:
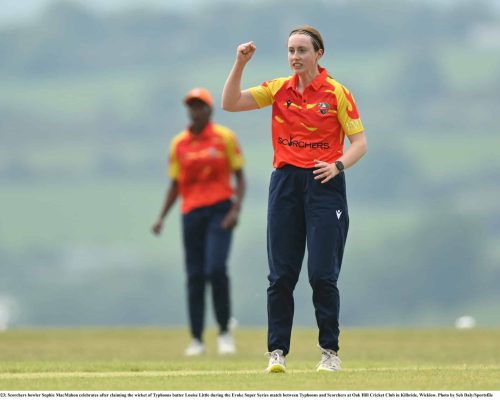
(340, 165)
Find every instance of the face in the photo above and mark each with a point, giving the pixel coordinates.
(199, 112)
(302, 57)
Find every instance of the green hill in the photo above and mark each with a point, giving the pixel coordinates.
(90, 102)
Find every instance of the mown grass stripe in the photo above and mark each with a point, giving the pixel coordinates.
(131, 374)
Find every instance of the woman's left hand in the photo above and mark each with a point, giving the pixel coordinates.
(325, 171)
(231, 219)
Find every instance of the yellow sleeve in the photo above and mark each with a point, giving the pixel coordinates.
(233, 150)
(174, 167)
(264, 93)
(348, 112)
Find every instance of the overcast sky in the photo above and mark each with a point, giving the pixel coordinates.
(14, 11)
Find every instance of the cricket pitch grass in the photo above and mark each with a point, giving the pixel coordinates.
(151, 359)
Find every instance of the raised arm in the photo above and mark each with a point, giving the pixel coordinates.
(233, 98)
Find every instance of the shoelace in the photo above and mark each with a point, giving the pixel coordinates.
(275, 356)
(329, 359)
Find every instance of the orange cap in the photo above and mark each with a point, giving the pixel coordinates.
(201, 94)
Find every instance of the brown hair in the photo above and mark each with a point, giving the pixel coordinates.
(313, 33)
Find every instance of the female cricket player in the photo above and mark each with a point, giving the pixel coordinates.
(311, 115)
(203, 158)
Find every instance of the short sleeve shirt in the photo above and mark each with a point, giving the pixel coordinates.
(308, 126)
(202, 165)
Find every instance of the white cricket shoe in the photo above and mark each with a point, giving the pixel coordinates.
(329, 361)
(195, 348)
(276, 361)
(225, 344)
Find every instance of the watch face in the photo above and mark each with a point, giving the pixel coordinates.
(339, 165)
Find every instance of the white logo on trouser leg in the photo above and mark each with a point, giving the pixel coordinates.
(339, 213)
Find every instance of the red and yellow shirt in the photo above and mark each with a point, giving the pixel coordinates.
(202, 165)
(308, 126)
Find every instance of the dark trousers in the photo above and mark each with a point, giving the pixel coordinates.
(303, 211)
(206, 246)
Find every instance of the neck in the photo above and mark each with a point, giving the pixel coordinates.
(198, 128)
(306, 78)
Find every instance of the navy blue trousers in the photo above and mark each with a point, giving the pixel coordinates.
(206, 246)
(303, 211)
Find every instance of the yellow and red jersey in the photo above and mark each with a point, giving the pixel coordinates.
(202, 165)
(308, 126)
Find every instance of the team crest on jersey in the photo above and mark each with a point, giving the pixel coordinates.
(323, 107)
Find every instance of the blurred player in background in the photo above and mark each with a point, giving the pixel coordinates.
(203, 158)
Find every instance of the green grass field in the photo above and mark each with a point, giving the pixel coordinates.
(152, 359)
